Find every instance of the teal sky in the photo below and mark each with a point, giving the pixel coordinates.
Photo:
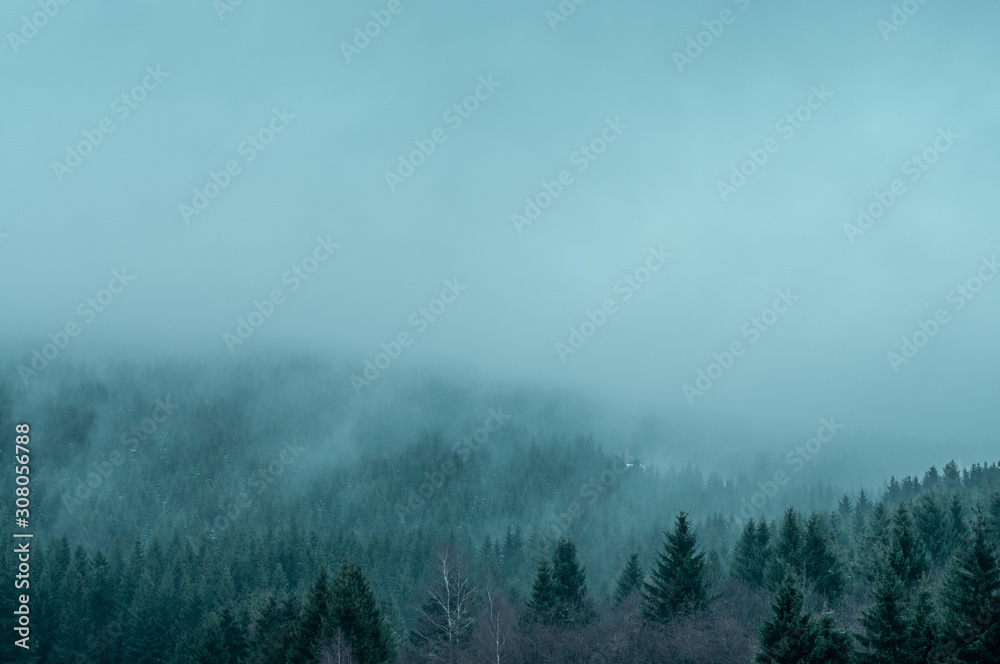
(555, 89)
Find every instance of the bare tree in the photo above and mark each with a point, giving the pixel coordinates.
(495, 637)
(447, 615)
(337, 651)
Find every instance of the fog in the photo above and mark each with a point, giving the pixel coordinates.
(201, 157)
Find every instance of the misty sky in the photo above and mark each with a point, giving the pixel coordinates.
(215, 79)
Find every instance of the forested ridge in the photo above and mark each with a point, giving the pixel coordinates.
(223, 530)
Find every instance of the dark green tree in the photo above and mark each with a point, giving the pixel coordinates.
(823, 567)
(907, 554)
(570, 580)
(630, 579)
(356, 614)
(315, 615)
(749, 555)
(788, 636)
(543, 592)
(677, 583)
(786, 550)
(970, 599)
(886, 634)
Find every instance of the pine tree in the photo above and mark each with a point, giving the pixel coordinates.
(788, 637)
(886, 634)
(677, 584)
(907, 554)
(630, 579)
(356, 614)
(786, 550)
(570, 580)
(844, 507)
(922, 635)
(862, 507)
(970, 599)
(543, 592)
(931, 523)
(209, 645)
(270, 630)
(315, 614)
(823, 567)
(747, 556)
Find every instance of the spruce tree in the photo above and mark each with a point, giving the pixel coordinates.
(788, 636)
(786, 549)
(209, 645)
(315, 614)
(823, 567)
(907, 554)
(630, 579)
(922, 635)
(570, 579)
(747, 558)
(932, 525)
(543, 592)
(356, 614)
(677, 583)
(970, 599)
(886, 629)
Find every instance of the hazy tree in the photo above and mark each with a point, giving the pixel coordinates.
(677, 582)
(630, 579)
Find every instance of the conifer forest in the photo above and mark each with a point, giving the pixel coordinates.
(559, 332)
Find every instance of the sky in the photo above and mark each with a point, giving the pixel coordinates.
(603, 199)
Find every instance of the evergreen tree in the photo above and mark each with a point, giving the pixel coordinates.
(844, 507)
(931, 522)
(923, 632)
(209, 645)
(570, 580)
(543, 593)
(862, 507)
(786, 550)
(748, 557)
(630, 579)
(907, 554)
(270, 630)
(823, 568)
(356, 614)
(886, 635)
(315, 614)
(788, 636)
(677, 584)
(970, 600)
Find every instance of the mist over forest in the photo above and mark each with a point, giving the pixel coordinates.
(475, 332)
